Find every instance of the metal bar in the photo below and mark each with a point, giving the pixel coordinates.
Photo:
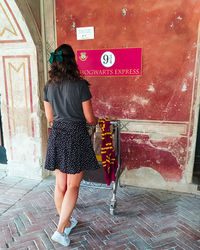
(114, 122)
(115, 183)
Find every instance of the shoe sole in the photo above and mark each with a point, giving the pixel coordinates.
(60, 242)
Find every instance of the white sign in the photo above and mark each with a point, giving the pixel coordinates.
(107, 59)
(85, 33)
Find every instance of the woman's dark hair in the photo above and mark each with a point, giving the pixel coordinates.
(65, 70)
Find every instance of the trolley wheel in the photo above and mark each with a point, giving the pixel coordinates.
(112, 207)
(112, 211)
(113, 204)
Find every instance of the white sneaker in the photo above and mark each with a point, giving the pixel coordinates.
(61, 238)
(73, 224)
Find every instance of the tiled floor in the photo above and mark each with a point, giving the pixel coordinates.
(144, 219)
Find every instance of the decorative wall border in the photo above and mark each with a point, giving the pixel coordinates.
(7, 99)
(15, 20)
(160, 127)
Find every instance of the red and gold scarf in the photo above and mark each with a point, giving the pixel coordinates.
(109, 160)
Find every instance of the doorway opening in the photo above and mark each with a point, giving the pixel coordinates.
(196, 171)
(3, 158)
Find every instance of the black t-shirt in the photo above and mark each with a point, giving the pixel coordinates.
(66, 99)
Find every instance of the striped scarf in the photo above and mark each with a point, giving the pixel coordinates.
(109, 160)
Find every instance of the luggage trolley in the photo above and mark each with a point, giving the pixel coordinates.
(97, 176)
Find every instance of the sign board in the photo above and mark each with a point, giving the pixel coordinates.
(110, 62)
(85, 33)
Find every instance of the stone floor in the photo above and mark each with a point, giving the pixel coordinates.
(144, 219)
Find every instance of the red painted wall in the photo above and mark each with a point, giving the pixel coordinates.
(167, 33)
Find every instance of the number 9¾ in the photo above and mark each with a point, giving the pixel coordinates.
(108, 59)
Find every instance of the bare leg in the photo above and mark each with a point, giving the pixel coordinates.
(69, 201)
(60, 189)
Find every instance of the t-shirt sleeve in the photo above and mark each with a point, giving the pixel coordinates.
(45, 94)
(85, 92)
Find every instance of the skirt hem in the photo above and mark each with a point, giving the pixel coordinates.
(72, 172)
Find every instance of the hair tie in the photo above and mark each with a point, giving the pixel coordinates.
(58, 56)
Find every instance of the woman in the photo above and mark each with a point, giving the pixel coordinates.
(67, 102)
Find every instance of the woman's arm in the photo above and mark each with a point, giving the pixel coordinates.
(88, 113)
(48, 111)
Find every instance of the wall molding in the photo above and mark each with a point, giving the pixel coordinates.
(168, 128)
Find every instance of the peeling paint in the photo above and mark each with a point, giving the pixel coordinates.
(166, 153)
(156, 136)
(124, 10)
(151, 88)
(160, 138)
(137, 78)
(172, 25)
(184, 88)
(73, 25)
(138, 141)
(190, 74)
(127, 111)
(106, 104)
(144, 175)
(179, 18)
(140, 100)
(133, 110)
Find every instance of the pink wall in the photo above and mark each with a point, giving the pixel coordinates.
(167, 33)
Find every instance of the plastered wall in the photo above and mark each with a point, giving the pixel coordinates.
(159, 110)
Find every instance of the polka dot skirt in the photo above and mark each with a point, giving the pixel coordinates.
(69, 148)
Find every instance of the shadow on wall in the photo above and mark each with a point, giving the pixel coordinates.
(3, 158)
